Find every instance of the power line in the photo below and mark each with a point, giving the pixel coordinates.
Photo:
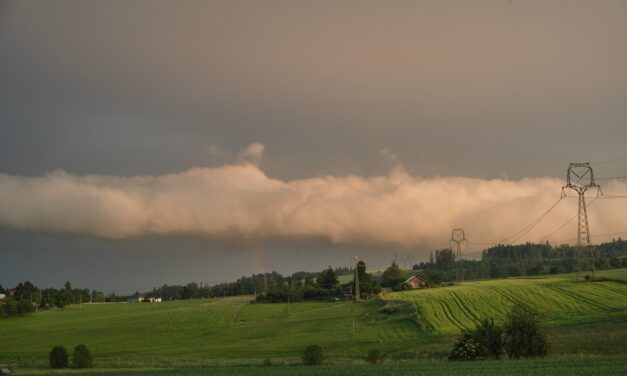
(594, 236)
(525, 230)
(612, 178)
(613, 196)
(532, 225)
(610, 161)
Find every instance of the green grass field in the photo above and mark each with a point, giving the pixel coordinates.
(587, 317)
(563, 299)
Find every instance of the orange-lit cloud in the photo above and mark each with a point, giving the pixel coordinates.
(240, 200)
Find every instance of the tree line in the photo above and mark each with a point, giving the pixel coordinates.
(505, 260)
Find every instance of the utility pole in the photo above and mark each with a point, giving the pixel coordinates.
(264, 266)
(458, 236)
(356, 279)
(584, 181)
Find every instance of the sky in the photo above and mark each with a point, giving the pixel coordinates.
(144, 143)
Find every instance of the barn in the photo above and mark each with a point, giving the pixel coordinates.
(416, 282)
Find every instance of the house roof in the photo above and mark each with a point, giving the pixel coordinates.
(416, 277)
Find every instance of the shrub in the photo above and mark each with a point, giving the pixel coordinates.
(313, 356)
(374, 357)
(58, 357)
(466, 348)
(9, 307)
(525, 333)
(485, 341)
(490, 337)
(267, 362)
(25, 307)
(82, 357)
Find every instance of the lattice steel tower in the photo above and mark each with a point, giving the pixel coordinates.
(458, 237)
(584, 176)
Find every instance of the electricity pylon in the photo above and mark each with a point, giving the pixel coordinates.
(458, 237)
(584, 181)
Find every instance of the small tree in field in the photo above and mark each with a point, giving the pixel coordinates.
(525, 333)
(374, 357)
(82, 357)
(490, 337)
(313, 356)
(484, 342)
(58, 357)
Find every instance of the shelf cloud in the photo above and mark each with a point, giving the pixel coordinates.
(240, 200)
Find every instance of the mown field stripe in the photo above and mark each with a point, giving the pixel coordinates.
(462, 306)
(582, 298)
(451, 316)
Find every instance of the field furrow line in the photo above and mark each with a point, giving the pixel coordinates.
(462, 307)
(581, 298)
(610, 288)
(504, 295)
(449, 315)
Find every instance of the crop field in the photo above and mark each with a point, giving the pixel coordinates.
(562, 299)
(220, 331)
(586, 317)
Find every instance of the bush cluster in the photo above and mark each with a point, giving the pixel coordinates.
(12, 308)
(81, 358)
(523, 336)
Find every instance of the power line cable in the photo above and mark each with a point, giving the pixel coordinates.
(565, 223)
(611, 178)
(532, 225)
(525, 230)
(610, 161)
(594, 236)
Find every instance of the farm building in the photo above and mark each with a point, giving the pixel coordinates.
(136, 298)
(416, 282)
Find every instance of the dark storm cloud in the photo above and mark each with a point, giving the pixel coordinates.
(133, 88)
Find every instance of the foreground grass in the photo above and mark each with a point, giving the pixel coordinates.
(574, 366)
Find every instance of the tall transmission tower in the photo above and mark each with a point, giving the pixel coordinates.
(583, 177)
(458, 236)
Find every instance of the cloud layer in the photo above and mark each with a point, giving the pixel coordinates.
(241, 201)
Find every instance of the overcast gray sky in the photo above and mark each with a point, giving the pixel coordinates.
(340, 116)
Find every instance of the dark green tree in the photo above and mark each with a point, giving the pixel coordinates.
(327, 279)
(82, 357)
(8, 307)
(490, 337)
(313, 356)
(25, 307)
(393, 277)
(375, 357)
(58, 357)
(525, 333)
(444, 259)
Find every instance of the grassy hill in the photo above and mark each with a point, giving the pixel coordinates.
(563, 299)
(587, 317)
